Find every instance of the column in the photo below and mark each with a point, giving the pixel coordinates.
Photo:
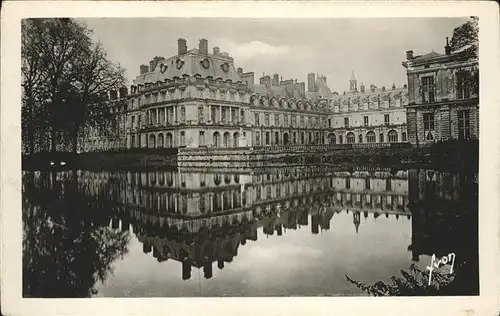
(211, 202)
(175, 113)
(220, 114)
(210, 113)
(230, 115)
(165, 114)
(157, 115)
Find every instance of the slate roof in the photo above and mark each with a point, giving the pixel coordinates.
(192, 63)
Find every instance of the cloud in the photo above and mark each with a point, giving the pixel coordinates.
(258, 49)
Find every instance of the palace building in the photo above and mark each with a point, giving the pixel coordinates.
(443, 96)
(200, 99)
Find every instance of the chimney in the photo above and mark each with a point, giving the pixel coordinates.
(409, 54)
(373, 87)
(203, 47)
(383, 88)
(216, 50)
(393, 86)
(266, 81)
(447, 48)
(405, 86)
(181, 46)
(311, 82)
(144, 69)
(362, 88)
(152, 66)
(275, 80)
(240, 70)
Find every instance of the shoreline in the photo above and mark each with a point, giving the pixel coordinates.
(440, 156)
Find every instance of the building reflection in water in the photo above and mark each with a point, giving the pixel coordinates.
(201, 219)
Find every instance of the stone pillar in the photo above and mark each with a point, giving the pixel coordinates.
(211, 202)
(165, 113)
(175, 113)
(411, 118)
(157, 115)
(210, 113)
(220, 114)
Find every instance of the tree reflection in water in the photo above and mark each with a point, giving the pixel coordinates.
(67, 244)
(444, 220)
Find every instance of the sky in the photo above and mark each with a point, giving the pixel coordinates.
(372, 48)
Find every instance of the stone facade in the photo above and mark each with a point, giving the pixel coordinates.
(443, 97)
(197, 99)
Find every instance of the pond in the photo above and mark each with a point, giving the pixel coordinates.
(290, 231)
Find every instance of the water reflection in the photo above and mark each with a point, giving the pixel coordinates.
(78, 223)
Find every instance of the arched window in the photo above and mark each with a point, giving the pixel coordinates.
(235, 141)
(216, 139)
(403, 137)
(132, 141)
(226, 140)
(381, 138)
(169, 140)
(161, 141)
(393, 136)
(332, 138)
(152, 141)
(350, 138)
(360, 137)
(370, 137)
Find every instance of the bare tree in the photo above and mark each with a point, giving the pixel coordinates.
(65, 75)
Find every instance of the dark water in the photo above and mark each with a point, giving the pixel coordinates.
(288, 231)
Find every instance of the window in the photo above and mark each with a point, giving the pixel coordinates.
(285, 119)
(202, 138)
(294, 137)
(370, 137)
(183, 114)
(360, 136)
(428, 89)
(133, 121)
(386, 119)
(257, 119)
(242, 116)
(429, 121)
(365, 120)
(224, 115)
(464, 124)
(266, 119)
(276, 119)
(257, 138)
(234, 118)
(403, 137)
(214, 114)
(330, 122)
(301, 121)
(341, 139)
(302, 138)
(350, 138)
(393, 136)
(294, 120)
(388, 185)
(201, 114)
(367, 183)
(463, 84)
(381, 137)
(267, 138)
(310, 138)
(347, 183)
(183, 138)
(346, 121)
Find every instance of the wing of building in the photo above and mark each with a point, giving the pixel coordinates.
(198, 98)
